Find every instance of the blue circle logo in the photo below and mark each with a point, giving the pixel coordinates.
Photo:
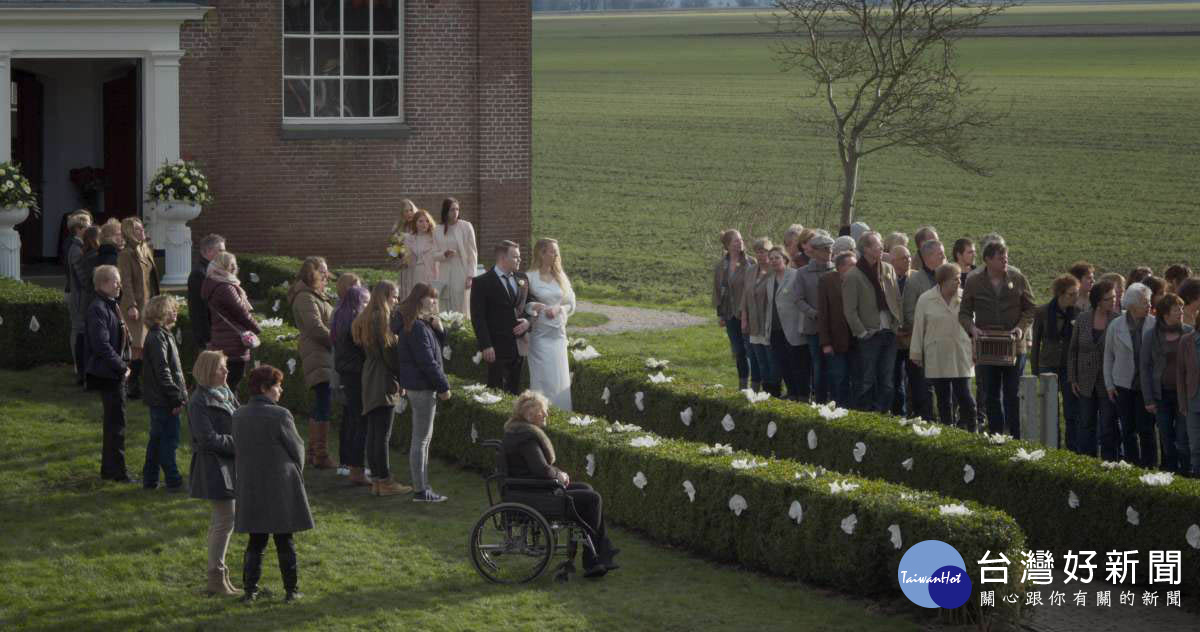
(933, 575)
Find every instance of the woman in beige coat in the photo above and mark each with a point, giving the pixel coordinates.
(313, 311)
(139, 284)
(942, 347)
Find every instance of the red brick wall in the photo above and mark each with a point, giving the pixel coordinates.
(467, 98)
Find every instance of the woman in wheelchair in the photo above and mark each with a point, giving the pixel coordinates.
(529, 454)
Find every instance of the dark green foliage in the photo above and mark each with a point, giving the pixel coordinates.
(22, 348)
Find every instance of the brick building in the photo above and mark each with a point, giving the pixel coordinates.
(312, 118)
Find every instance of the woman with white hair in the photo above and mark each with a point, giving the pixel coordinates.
(230, 316)
(1122, 346)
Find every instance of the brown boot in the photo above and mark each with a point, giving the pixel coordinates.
(359, 477)
(389, 487)
(318, 439)
(231, 590)
(216, 584)
(310, 446)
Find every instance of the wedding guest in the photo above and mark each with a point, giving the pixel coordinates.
(1119, 285)
(871, 302)
(1122, 354)
(269, 483)
(456, 242)
(808, 301)
(1189, 293)
(107, 366)
(942, 348)
(893, 239)
(857, 230)
(1085, 273)
(231, 320)
(84, 267)
(210, 247)
(763, 372)
(998, 298)
(1187, 381)
(140, 283)
(1138, 275)
(1175, 275)
(419, 372)
(312, 310)
(422, 245)
(371, 331)
(1159, 373)
(930, 256)
(112, 240)
(792, 242)
(924, 234)
(1085, 372)
(347, 365)
(901, 260)
(1158, 288)
(210, 421)
(732, 275)
(530, 454)
(844, 243)
(165, 393)
(404, 227)
(834, 331)
(963, 253)
(75, 292)
(551, 303)
(783, 328)
(1053, 324)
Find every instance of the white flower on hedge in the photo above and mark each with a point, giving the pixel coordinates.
(957, 509)
(646, 441)
(830, 411)
(927, 431)
(1112, 465)
(841, 487)
(909, 421)
(997, 438)
(717, 449)
(254, 277)
(1072, 500)
(291, 365)
(639, 400)
(271, 322)
(812, 439)
(659, 378)
(748, 464)
(275, 306)
(849, 523)
(606, 395)
(620, 427)
(639, 480)
(771, 430)
(727, 423)
(686, 416)
(813, 473)
(587, 353)
(907, 464)
(1156, 479)
(34, 325)
(655, 364)
(690, 490)
(859, 451)
(1025, 455)
(968, 473)
(474, 434)
(753, 397)
(474, 388)
(591, 464)
(1132, 516)
(446, 352)
(585, 420)
(796, 512)
(487, 399)
(1193, 536)
(477, 358)
(400, 406)
(737, 504)
(894, 529)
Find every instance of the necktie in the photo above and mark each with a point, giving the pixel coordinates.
(512, 290)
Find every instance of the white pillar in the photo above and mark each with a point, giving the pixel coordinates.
(10, 240)
(6, 103)
(160, 103)
(1049, 421)
(1031, 429)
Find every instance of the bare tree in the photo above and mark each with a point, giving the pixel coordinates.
(887, 71)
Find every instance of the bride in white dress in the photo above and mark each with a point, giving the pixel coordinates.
(552, 301)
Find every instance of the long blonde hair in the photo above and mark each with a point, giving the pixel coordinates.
(372, 328)
(406, 206)
(556, 269)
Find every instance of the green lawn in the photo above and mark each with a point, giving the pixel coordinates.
(649, 129)
(79, 554)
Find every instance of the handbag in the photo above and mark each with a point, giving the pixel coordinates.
(249, 338)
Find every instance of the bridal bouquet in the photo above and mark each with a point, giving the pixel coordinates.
(397, 250)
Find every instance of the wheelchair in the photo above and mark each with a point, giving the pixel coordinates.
(515, 539)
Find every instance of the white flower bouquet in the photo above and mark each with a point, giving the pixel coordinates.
(179, 181)
(15, 189)
(452, 321)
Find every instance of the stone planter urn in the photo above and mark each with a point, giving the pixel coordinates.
(10, 241)
(172, 218)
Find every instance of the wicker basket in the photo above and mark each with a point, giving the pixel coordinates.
(996, 348)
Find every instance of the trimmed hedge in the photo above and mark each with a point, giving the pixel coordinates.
(20, 346)
(1037, 493)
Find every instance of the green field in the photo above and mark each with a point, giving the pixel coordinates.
(647, 127)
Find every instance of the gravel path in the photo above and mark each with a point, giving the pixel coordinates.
(622, 319)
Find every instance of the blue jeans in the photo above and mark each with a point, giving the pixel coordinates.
(1172, 433)
(1006, 413)
(820, 370)
(160, 450)
(839, 379)
(760, 357)
(877, 362)
(1137, 428)
(737, 345)
(1070, 408)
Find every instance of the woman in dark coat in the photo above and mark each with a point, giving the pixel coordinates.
(164, 392)
(348, 360)
(529, 454)
(210, 419)
(270, 483)
(229, 315)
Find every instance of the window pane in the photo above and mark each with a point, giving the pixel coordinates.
(296, 55)
(295, 97)
(387, 57)
(328, 53)
(387, 97)
(358, 97)
(296, 16)
(327, 98)
(358, 16)
(358, 57)
(387, 16)
(329, 16)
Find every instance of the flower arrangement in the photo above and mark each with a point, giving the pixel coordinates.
(397, 250)
(179, 181)
(452, 321)
(15, 189)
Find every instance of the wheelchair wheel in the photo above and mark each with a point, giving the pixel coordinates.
(511, 544)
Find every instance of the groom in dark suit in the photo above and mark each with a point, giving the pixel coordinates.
(498, 299)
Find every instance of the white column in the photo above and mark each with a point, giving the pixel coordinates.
(6, 103)
(10, 240)
(162, 145)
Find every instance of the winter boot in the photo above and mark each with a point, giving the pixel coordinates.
(319, 436)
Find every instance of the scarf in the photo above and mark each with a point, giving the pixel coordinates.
(1053, 314)
(220, 274)
(520, 425)
(872, 272)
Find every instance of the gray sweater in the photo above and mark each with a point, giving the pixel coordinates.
(806, 294)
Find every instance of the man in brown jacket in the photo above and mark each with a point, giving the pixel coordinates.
(997, 297)
(834, 332)
(871, 302)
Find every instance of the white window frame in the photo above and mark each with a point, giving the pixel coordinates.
(312, 36)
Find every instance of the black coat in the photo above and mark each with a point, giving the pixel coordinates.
(210, 420)
(524, 456)
(197, 306)
(106, 345)
(348, 358)
(107, 255)
(494, 313)
(419, 358)
(162, 381)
